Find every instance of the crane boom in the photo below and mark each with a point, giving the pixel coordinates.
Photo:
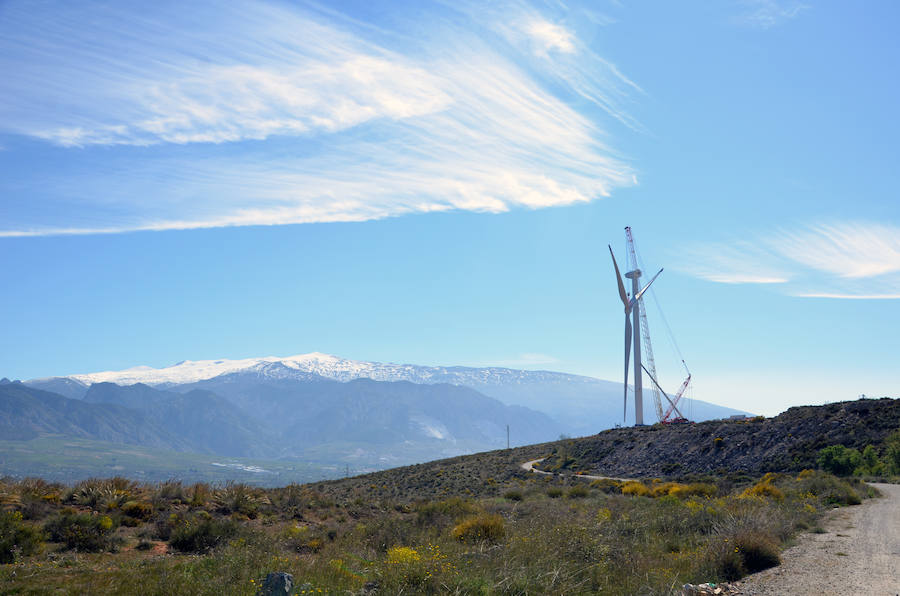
(646, 346)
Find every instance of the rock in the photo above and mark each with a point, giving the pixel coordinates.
(708, 589)
(276, 584)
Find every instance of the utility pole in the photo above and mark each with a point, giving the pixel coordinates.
(507, 436)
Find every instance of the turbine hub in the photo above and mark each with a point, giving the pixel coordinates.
(633, 274)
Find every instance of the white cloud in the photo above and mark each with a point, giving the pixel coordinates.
(380, 131)
(846, 260)
(765, 14)
(548, 36)
(739, 262)
(849, 250)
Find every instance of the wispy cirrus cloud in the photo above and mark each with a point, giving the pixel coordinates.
(549, 36)
(851, 260)
(765, 14)
(270, 114)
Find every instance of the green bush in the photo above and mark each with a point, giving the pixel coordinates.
(830, 490)
(443, 512)
(869, 464)
(83, 532)
(554, 492)
(16, 537)
(838, 460)
(513, 495)
(892, 453)
(579, 491)
(201, 535)
(141, 510)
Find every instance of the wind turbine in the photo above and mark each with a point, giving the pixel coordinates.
(632, 307)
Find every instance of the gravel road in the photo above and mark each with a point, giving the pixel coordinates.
(858, 554)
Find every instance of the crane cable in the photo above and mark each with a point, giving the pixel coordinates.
(670, 335)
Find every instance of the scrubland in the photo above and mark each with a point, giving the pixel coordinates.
(523, 534)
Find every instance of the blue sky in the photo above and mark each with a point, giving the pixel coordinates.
(437, 184)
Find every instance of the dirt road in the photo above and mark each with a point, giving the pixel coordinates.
(529, 467)
(858, 554)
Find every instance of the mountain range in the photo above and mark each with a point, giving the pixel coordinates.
(317, 407)
(581, 405)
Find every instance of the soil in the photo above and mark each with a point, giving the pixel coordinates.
(859, 553)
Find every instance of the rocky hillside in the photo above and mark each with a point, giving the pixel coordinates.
(788, 442)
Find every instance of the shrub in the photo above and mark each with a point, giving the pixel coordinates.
(830, 490)
(104, 493)
(725, 560)
(200, 535)
(437, 512)
(579, 491)
(869, 464)
(838, 460)
(170, 491)
(83, 532)
(892, 453)
(635, 489)
(513, 495)
(402, 555)
(764, 489)
(141, 510)
(695, 489)
(554, 492)
(607, 485)
(757, 550)
(240, 498)
(201, 494)
(16, 537)
(662, 489)
(485, 527)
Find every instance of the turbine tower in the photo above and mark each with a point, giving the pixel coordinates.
(632, 308)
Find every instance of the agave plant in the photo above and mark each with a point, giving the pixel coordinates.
(237, 497)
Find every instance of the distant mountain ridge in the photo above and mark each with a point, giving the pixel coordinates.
(582, 405)
(370, 424)
(322, 365)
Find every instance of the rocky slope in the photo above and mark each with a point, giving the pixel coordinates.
(788, 442)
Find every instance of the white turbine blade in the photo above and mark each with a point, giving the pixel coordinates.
(627, 357)
(622, 294)
(644, 289)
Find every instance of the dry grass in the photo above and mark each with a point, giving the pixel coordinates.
(618, 538)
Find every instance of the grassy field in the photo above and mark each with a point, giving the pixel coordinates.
(524, 534)
(68, 459)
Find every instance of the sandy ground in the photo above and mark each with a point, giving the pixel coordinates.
(858, 554)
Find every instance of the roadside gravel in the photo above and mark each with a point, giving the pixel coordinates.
(859, 553)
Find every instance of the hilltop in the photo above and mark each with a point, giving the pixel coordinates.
(789, 442)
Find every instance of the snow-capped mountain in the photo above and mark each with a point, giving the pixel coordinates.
(323, 365)
(583, 405)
